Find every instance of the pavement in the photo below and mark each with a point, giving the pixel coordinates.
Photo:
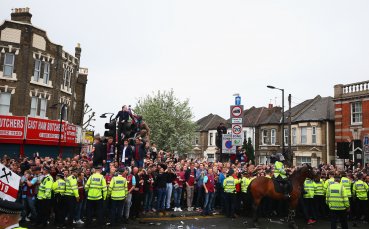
(194, 220)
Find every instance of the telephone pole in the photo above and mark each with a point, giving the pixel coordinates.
(290, 159)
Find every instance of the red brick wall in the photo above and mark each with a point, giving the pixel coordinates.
(343, 121)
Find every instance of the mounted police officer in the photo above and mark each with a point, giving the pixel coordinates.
(280, 173)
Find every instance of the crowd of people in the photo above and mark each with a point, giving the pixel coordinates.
(142, 180)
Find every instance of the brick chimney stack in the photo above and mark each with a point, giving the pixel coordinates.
(78, 51)
(21, 14)
(270, 106)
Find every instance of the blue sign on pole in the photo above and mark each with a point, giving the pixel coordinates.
(366, 140)
(237, 100)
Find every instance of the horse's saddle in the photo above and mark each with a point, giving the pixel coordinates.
(280, 185)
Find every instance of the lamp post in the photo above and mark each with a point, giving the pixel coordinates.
(104, 116)
(62, 108)
(272, 87)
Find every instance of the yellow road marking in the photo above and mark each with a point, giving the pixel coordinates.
(181, 218)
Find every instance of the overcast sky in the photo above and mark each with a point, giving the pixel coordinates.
(208, 50)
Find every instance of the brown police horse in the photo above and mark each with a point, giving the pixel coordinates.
(264, 187)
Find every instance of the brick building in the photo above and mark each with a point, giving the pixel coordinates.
(352, 120)
(36, 74)
(205, 137)
(268, 134)
(312, 132)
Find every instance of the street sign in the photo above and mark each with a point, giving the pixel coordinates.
(236, 120)
(237, 100)
(236, 129)
(366, 149)
(237, 141)
(236, 135)
(227, 144)
(236, 111)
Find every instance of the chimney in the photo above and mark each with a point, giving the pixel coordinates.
(77, 51)
(21, 14)
(338, 90)
(270, 106)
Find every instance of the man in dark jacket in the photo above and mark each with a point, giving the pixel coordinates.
(126, 154)
(123, 115)
(98, 153)
(139, 152)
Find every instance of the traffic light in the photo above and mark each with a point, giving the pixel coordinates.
(111, 129)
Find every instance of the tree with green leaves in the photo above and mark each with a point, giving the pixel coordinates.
(249, 150)
(169, 120)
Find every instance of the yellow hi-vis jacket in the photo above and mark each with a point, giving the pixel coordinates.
(118, 188)
(96, 187)
(44, 190)
(71, 187)
(336, 197)
(245, 182)
(229, 184)
(59, 186)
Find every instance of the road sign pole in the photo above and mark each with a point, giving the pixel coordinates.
(236, 114)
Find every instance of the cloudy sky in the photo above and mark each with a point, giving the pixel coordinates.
(207, 50)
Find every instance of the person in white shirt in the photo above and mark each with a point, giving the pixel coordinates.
(126, 157)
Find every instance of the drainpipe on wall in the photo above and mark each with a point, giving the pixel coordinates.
(327, 142)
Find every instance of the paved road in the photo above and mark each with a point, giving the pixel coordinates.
(200, 222)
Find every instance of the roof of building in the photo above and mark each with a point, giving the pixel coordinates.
(252, 116)
(270, 116)
(209, 122)
(317, 109)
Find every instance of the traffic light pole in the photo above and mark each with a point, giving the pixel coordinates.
(116, 140)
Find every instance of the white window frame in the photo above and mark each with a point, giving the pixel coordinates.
(303, 135)
(46, 75)
(263, 160)
(273, 136)
(285, 136)
(356, 110)
(37, 71)
(43, 107)
(211, 139)
(300, 160)
(34, 106)
(196, 140)
(313, 135)
(38, 107)
(264, 137)
(293, 133)
(5, 102)
(65, 115)
(67, 78)
(11, 66)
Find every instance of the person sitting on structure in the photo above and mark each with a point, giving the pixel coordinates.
(123, 115)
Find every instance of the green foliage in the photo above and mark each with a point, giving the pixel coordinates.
(169, 120)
